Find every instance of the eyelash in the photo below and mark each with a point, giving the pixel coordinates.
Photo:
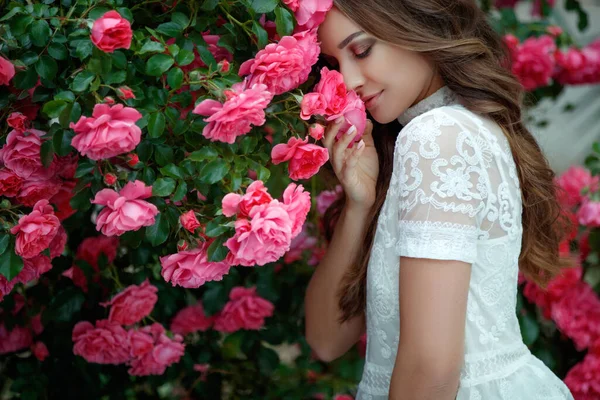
(365, 53)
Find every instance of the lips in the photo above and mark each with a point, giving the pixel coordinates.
(370, 100)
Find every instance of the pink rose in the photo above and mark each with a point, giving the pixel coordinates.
(156, 352)
(533, 62)
(109, 132)
(305, 158)
(297, 203)
(18, 338)
(125, 211)
(6, 286)
(243, 108)
(189, 221)
(263, 239)
(334, 91)
(300, 243)
(583, 379)
(62, 198)
(21, 153)
(191, 319)
(573, 181)
(191, 268)
(91, 248)
(111, 32)
(285, 65)
(558, 286)
(355, 114)
(245, 310)
(256, 194)
(577, 315)
(589, 213)
(309, 13)
(343, 397)
(316, 131)
(10, 183)
(18, 121)
(34, 190)
(7, 71)
(32, 269)
(578, 66)
(125, 93)
(326, 198)
(36, 230)
(40, 351)
(132, 304)
(57, 245)
(107, 343)
(312, 104)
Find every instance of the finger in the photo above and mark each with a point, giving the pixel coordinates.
(353, 158)
(368, 134)
(331, 132)
(340, 147)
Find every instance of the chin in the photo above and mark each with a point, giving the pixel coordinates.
(382, 117)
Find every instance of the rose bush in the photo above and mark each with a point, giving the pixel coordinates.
(162, 193)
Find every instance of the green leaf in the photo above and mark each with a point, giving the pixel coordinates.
(156, 125)
(30, 58)
(84, 168)
(62, 142)
(180, 19)
(19, 25)
(209, 5)
(268, 360)
(47, 153)
(184, 57)
(284, 21)
(214, 171)
(145, 150)
(163, 187)
(152, 47)
(82, 200)
(217, 251)
(181, 191)
(84, 49)
(163, 155)
(175, 78)
(158, 233)
(40, 33)
(46, 67)
(115, 77)
(170, 29)
(207, 56)
(173, 171)
(4, 240)
(64, 305)
(530, 329)
(26, 79)
(14, 11)
(53, 108)
(205, 153)
(65, 95)
(58, 51)
(263, 6)
(158, 64)
(10, 264)
(261, 34)
(214, 229)
(119, 59)
(82, 81)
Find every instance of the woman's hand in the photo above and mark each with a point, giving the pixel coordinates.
(356, 168)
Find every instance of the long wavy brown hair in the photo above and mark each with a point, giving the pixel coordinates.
(475, 63)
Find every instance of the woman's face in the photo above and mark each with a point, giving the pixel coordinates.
(387, 78)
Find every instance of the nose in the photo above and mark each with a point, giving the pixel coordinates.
(353, 76)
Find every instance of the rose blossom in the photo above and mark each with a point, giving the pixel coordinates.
(109, 132)
(125, 93)
(333, 89)
(589, 213)
(18, 338)
(57, 245)
(256, 194)
(132, 304)
(107, 343)
(7, 71)
(577, 315)
(34, 190)
(189, 221)
(111, 32)
(35, 231)
(285, 65)
(21, 153)
(326, 198)
(156, 352)
(245, 310)
(309, 13)
(10, 183)
(316, 131)
(573, 181)
(125, 211)
(263, 239)
(244, 107)
(32, 269)
(91, 248)
(583, 379)
(297, 204)
(578, 66)
(299, 244)
(18, 121)
(305, 158)
(40, 351)
(191, 268)
(557, 287)
(533, 61)
(191, 319)
(343, 397)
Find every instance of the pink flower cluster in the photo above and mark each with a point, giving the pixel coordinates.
(7, 71)
(90, 250)
(21, 337)
(265, 227)
(309, 13)
(126, 210)
(333, 100)
(305, 159)
(584, 378)
(132, 304)
(111, 32)
(537, 61)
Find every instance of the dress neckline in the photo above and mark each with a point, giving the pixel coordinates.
(442, 97)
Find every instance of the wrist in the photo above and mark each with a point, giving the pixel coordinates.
(357, 210)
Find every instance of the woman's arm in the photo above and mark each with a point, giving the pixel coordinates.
(326, 336)
(433, 304)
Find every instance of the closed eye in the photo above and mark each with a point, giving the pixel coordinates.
(365, 53)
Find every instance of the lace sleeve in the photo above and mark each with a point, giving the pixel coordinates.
(443, 188)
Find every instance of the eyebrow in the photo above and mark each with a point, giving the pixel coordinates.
(349, 39)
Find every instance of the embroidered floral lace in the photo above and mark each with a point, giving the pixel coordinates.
(454, 195)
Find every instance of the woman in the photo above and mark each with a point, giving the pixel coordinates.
(436, 222)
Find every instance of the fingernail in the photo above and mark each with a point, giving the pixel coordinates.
(351, 130)
(340, 120)
(361, 144)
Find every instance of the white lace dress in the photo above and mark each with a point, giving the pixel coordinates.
(454, 195)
